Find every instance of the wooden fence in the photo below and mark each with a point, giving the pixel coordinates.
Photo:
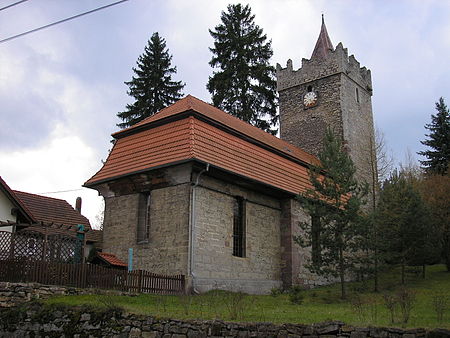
(89, 276)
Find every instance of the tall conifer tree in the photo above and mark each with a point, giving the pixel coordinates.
(438, 140)
(406, 234)
(152, 88)
(334, 205)
(243, 82)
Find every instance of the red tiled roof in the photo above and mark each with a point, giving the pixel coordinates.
(220, 139)
(191, 103)
(111, 259)
(51, 210)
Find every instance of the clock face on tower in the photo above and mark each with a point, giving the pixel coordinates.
(310, 99)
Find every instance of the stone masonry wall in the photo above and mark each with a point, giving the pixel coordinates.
(14, 294)
(84, 322)
(305, 128)
(167, 248)
(214, 265)
(303, 276)
(344, 91)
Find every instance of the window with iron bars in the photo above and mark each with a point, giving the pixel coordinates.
(239, 227)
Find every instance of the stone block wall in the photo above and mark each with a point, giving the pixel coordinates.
(166, 250)
(305, 128)
(214, 265)
(85, 322)
(294, 257)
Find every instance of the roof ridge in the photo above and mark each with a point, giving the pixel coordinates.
(30, 193)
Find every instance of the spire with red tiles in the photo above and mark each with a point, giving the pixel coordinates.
(323, 44)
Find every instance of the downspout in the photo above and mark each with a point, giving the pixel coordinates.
(192, 220)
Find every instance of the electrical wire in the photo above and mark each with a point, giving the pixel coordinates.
(16, 3)
(61, 21)
(57, 192)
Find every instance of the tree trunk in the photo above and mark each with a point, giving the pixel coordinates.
(403, 272)
(375, 273)
(423, 271)
(342, 273)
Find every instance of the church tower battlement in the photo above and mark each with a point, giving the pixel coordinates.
(337, 61)
(329, 90)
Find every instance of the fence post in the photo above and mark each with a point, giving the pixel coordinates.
(140, 282)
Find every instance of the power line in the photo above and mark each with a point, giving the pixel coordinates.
(61, 21)
(57, 192)
(16, 3)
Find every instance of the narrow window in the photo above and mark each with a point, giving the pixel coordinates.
(309, 89)
(143, 225)
(239, 227)
(357, 94)
(315, 240)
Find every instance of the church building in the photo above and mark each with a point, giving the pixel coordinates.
(195, 191)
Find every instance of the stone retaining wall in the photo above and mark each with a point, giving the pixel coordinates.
(36, 320)
(13, 294)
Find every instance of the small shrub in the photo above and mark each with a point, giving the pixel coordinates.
(440, 304)
(275, 292)
(185, 302)
(365, 308)
(357, 304)
(390, 303)
(214, 299)
(296, 295)
(109, 302)
(406, 299)
(236, 304)
(161, 303)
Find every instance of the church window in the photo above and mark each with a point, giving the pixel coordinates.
(239, 227)
(357, 94)
(143, 224)
(309, 89)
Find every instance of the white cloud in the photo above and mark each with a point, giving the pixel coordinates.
(64, 162)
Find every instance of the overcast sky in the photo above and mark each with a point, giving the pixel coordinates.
(60, 88)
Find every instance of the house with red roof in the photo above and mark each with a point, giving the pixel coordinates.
(22, 211)
(193, 190)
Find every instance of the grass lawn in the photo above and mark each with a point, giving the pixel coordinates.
(321, 304)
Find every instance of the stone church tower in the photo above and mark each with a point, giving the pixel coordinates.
(332, 90)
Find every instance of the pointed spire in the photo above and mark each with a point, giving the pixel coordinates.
(323, 44)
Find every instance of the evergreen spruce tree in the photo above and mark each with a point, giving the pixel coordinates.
(243, 83)
(335, 232)
(403, 224)
(152, 88)
(439, 140)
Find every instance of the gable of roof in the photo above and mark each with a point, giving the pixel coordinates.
(191, 129)
(51, 210)
(16, 201)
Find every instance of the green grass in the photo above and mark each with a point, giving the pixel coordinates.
(320, 304)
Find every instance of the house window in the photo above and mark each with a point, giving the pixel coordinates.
(357, 94)
(239, 227)
(315, 240)
(143, 224)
